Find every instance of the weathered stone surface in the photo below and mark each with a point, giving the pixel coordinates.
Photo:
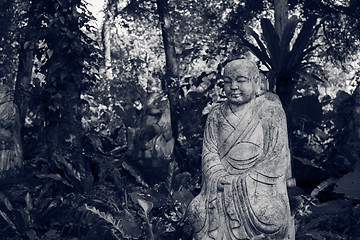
(10, 143)
(245, 164)
(153, 142)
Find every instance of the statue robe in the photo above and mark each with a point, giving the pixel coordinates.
(252, 150)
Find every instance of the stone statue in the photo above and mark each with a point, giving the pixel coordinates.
(10, 148)
(156, 119)
(245, 164)
(153, 142)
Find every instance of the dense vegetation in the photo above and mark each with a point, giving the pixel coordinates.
(82, 96)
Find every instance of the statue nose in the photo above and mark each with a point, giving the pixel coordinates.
(234, 85)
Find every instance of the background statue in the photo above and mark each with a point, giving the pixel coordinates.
(245, 163)
(153, 142)
(10, 148)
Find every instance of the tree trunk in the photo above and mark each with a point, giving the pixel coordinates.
(24, 74)
(26, 62)
(170, 82)
(284, 89)
(281, 15)
(107, 50)
(284, 86)
(172, 69)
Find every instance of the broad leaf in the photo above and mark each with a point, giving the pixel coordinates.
(272, 41)
(257, 52)
(6, 201)
(260, 44)
(7, 219)
(302, 42)
(129, 225)
(350, 184)
(286, 37)
(145, 205)
(288, 33)
(135, 173)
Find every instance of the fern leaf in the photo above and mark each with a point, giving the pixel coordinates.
(107, 217)
(126, 225)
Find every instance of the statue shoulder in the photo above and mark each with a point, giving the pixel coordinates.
(272, 97)
(271, 109)
(213, 110)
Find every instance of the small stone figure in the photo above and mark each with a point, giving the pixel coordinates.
(156, 124)
(153, 142)
(10, 148)
(245, 164)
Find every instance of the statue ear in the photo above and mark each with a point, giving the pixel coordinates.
(262, 85)
(258, 88)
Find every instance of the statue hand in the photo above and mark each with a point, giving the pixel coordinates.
(223, 181)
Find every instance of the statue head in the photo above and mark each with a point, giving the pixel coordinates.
(242, 81)
(153, 85)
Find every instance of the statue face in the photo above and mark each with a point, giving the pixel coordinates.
(239, 85)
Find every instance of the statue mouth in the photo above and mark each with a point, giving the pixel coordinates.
(235, 95)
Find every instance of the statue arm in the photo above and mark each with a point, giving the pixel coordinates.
(212, 168)
(276, 146)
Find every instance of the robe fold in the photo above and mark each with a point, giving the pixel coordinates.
(252, 152)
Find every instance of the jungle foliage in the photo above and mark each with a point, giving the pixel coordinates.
(79, 181)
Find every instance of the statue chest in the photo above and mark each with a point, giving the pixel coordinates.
(241, 147)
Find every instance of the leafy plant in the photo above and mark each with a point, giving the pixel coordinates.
(124, 223)
(337, 219)
(276, 53)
